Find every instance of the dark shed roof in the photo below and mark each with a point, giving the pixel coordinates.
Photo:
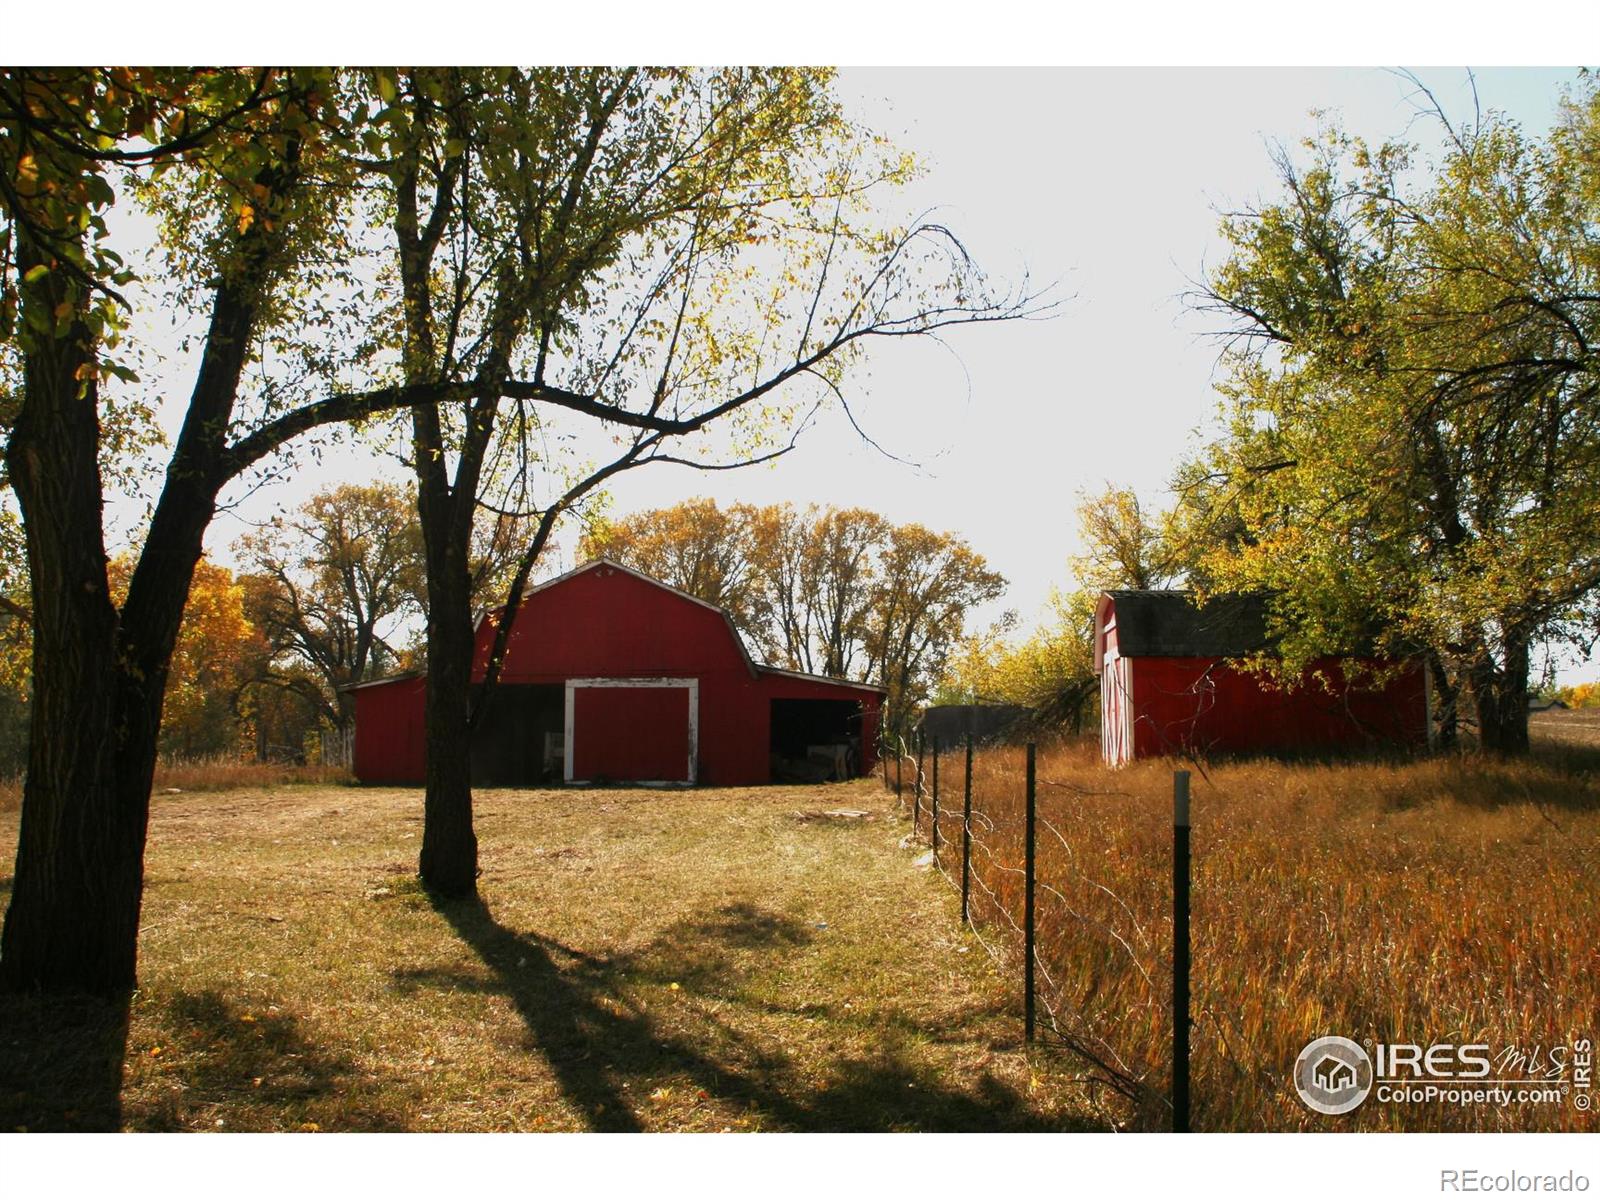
(1169, 624)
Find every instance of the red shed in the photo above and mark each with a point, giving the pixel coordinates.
(612, 676)
(1168, 686)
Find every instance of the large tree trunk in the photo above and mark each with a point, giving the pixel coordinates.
(1446, 730)
(449, 862)
(1500, 691)
(99, 679)
(74, 913)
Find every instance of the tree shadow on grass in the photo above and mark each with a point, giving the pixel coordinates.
(61, 1059)
(61, 1063)
(256, 1069)
(606, 1053)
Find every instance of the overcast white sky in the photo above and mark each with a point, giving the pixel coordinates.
(1107, 180)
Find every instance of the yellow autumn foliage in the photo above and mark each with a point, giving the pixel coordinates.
(215, 656)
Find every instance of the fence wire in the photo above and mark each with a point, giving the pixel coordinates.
(1068, 894)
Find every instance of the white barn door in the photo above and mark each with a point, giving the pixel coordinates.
(1116, 711)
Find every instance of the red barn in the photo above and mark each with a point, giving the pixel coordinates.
(1167, 686)
(611, 676)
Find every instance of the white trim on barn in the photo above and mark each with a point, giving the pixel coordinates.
(1105, 621)
(812, 678)
(693, 686)
(1116, 708)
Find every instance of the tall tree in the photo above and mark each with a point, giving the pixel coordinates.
(242, 169)
(842, 557)
(782, 547)
(1123, 547)
(662, 253)
(1415, 403)
(337, 581)
(925, 584)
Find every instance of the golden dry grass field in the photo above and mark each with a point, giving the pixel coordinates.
(733, 959)
(1451, 900)
(705, 960)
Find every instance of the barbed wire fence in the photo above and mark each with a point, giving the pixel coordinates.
(1039, 901)
(1077, 890)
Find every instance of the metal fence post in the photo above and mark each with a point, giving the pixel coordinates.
(934, 823)
(966, 841)
(916, 791)
(1027, 906)
(1180, 952)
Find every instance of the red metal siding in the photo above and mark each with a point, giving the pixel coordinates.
(1203, 706)
(389, 734)
(631, 733)
(603, 622)
(608, 622)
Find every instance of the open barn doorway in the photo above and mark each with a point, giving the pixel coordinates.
(519, 740)
(815, 740)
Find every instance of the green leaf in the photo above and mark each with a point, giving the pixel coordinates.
(36, 273)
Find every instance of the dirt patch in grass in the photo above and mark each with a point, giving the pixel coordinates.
(1579, 727)
(638, 960)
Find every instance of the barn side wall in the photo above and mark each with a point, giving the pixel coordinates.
(389, 733)
(1203, 706)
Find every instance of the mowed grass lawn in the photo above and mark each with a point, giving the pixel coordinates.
(640, 960)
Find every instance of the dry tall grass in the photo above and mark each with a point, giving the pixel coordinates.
(1448, 900)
